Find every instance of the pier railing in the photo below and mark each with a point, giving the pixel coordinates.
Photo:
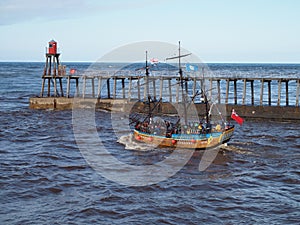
(136, 86)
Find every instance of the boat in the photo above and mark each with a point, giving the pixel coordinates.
(184, 133)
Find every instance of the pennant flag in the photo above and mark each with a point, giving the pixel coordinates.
(153, 61)
(190, 67)
(237, 118)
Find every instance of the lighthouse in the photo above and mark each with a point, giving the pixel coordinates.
(53, 71)
(52, 49)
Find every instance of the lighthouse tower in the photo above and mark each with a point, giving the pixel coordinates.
(53, 71)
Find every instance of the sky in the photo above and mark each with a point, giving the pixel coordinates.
(215, 30)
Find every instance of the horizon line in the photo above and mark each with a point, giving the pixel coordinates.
(209, 62)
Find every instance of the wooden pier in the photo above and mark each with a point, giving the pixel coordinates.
(255, 97)
(237, 91)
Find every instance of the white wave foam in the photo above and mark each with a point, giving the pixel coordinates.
(131, 144)
(236, 149)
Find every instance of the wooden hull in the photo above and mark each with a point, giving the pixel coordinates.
(186, 141)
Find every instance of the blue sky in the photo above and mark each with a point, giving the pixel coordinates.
(215, 30)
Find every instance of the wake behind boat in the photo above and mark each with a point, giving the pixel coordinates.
(186, 132)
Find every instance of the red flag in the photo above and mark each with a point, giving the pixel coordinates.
(237, 118)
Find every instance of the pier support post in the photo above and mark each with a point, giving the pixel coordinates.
(93, 87)
(68, 86)
(115, 88)
(83, 87)
(108, 87)
(186, 87)
(55, 87)
(61, 87)
(194, 86)
(244, 92)
(43, 86)
(54, 68)
(202, 85)
(77, 87)
(50, 65)
(262, 92)
(235, 91)
(99, 87)
(287, 92)
(219, 91)
(123, 87)
(139, 89)
(170, 89)
(161, 87)
(279, 92)
(227, 91)
(154, 89)
(146, 88)
(48, 91)
(297, 93)
(129, 89)
(252, 92)
(269, 93)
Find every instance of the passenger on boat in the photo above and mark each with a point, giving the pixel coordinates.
(218, 127)
(138, 126)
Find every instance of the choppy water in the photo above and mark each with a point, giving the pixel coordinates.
(45, 178)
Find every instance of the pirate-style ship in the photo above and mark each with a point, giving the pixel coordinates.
(186, 132)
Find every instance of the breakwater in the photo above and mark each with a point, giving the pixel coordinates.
(274, 98)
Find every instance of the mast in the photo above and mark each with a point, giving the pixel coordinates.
(155, 104)
(181, 80)
(207, 109)
(182, 86)
(146, 91)
(147, 68)
(147, 83)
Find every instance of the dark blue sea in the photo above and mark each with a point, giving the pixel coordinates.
(47, 176)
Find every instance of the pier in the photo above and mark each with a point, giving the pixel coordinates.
(273, 98)
(242, 91)
(133, 90)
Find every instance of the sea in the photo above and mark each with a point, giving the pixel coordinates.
(61, 167)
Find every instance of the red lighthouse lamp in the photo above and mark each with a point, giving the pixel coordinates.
(52, 49)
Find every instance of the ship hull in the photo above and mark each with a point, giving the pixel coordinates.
(186, 141)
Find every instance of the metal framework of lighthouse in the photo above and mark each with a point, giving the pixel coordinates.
(53, 72)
